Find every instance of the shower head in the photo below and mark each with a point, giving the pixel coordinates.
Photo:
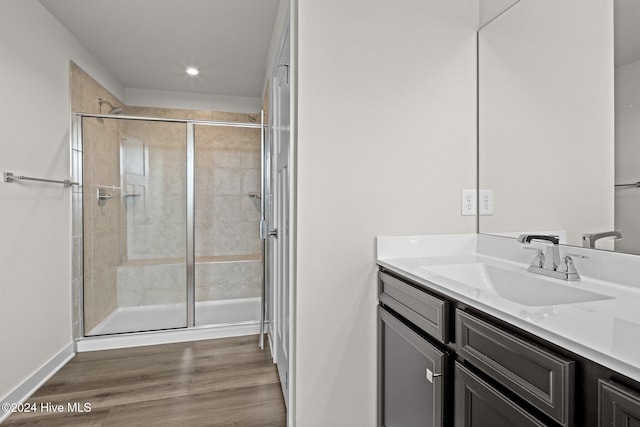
(112, 110)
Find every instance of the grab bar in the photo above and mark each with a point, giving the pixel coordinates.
(10, 177)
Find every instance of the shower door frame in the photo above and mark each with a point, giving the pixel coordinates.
(77, 144)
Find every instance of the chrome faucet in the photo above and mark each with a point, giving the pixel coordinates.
(589, 240)
(548, 263)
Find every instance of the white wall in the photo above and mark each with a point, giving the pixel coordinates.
(385, 143)
(35, 248)
(191, 101)
(282, 22)
(546, 117)
(628, 156)
(490, 9)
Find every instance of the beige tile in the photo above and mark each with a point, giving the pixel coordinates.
(235, 117)
(250, 209)
(250, 181)
(227, 208)
(167, 134)
(251, 159)
(227, 181)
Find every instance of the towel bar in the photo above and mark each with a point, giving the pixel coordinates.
(10, 177)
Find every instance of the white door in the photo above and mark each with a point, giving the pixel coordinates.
(280, 233)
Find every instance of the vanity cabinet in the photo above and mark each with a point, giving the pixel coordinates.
(533, 373)
(412, 369)
(411, 376)
(618, 406)
(478, 404)
(442, 362)
(425, 311)
(440, 365)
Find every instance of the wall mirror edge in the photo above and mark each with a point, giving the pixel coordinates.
(563, 175)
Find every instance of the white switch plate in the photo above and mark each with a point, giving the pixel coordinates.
(468, 202)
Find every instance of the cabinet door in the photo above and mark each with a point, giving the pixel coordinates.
(477, 404)
(534, 373)
(619, 406)
(410, 382)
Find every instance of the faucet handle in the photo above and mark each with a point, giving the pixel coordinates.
(567, 265)
(538, 261)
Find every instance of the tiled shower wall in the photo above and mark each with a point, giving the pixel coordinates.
(227, 173)
(154, 179)
(227, 244)
(104, 226)
(150, 225)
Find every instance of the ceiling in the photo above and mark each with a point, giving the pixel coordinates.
(147, 44)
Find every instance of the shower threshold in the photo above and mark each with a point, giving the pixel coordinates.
(170, 316)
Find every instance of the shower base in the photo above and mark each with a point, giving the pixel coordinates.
(171, 316)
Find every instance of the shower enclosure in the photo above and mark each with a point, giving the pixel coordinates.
(171, 223)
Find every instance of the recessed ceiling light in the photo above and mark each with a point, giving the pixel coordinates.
(192, 71)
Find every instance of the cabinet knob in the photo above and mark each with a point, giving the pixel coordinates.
(430, 375)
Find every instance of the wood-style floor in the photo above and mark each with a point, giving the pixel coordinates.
(223, 382)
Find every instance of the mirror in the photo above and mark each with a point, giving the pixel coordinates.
(546, 120)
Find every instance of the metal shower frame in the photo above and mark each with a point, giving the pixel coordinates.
(77, 145)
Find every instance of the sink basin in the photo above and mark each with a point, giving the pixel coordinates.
(521, 287)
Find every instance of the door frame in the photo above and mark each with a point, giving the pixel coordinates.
(289, 32)
(77, 143)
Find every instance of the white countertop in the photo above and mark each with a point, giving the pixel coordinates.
(606, 331)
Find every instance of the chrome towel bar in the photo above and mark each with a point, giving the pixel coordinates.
(10, 177)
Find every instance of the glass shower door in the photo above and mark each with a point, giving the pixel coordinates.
(134, 220)
(228, 249)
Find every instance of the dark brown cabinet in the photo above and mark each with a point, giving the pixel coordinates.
(478, 404)
(619, 406)
(426, 312)
(442, 362)
(537, 375)
(411, 376)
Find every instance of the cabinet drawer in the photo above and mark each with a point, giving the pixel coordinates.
(618, 406)
(477, 404)
(542, 378)
(420, 308)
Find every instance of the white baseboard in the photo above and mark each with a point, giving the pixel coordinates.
(166, 337)
(21, 393)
